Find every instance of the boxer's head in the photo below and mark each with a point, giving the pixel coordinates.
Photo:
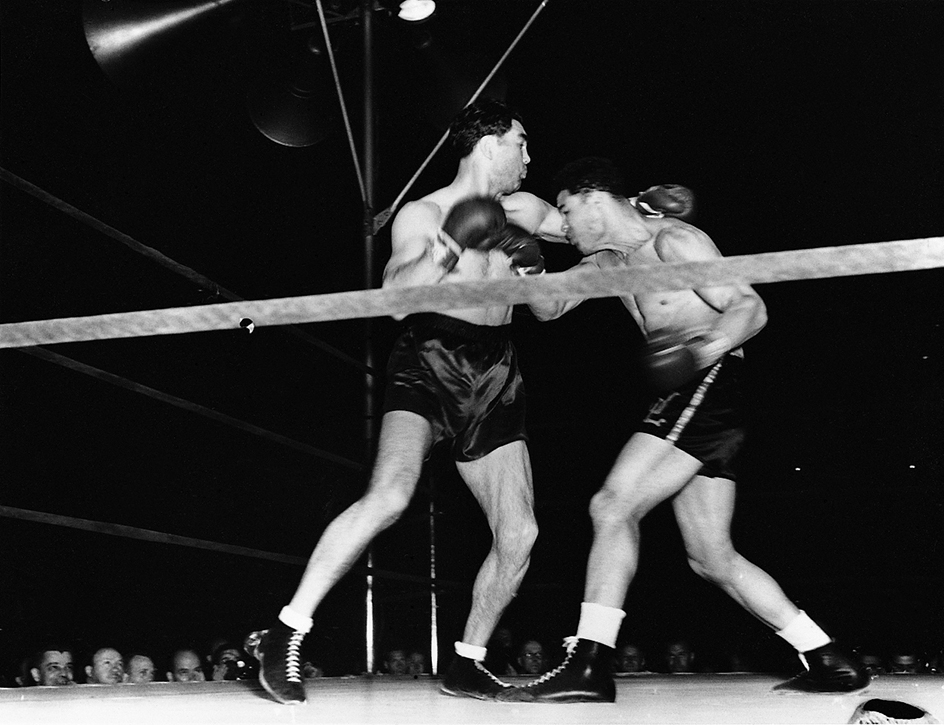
(485, 117)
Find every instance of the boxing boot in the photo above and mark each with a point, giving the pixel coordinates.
(828, 670)
(278, 650)
(470, 678)
(585, 675)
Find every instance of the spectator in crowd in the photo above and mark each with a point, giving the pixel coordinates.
(678, 655)
(416, 663)
(871, 661)
(310, 670)
(904, 661)
(139, 669)
(107, 667)
(52, 667)
(394, 662)
(500, 656)
(532, 659)
(629, 658)
(186, 667)
(229, 662)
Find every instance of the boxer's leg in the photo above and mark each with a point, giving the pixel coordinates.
(501, 483)
(648, 471)
(704, 510)
(405, 439)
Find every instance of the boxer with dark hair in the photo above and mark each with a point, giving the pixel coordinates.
(684, 449)
(451, 377)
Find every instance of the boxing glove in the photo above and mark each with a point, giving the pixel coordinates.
(672, 358)
(475, 223)
(523, 249)
(668, 361)
(666, 200)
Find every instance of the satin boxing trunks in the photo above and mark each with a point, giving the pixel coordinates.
(462, 378)
(704, 418)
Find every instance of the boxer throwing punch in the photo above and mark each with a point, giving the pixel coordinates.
(683, 449)
(451, 377)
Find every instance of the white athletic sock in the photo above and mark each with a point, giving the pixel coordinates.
(599, 624)
(471, 651)
(804, 634)
(298, 622)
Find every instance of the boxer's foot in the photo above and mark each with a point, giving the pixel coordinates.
(585, 675)
(828, 670)
(278, 650)
(470, 678)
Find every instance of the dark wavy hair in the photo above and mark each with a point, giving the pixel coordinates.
(484, 117)
(590, 174)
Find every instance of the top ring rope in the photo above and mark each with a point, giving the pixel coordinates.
(817, 263)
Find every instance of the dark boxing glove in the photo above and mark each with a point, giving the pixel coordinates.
(475, 223)
(672, 358)
(523, 249)
(666, 200)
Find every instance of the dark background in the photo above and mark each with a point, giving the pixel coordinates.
(797, 124)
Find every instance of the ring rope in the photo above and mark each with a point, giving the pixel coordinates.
(187, 405)
(816, 263)
(161, 537)
(163, 260)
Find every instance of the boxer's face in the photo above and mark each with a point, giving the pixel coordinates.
(512, 159)
(580, 224)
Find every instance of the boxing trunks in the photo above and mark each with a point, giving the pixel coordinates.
(704, 418)
(462, 378)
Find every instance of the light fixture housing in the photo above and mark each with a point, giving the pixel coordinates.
(415, 11)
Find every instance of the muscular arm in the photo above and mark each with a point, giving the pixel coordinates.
(741, 311)
(534, 215)
(552, 309)
(420, 254)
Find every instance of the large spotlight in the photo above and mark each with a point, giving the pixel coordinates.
(414, 11)
(125, 35)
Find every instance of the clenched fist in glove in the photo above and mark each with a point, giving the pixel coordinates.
(523, 249)
(666, 200)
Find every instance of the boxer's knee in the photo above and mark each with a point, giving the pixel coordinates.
(607, 508)
(514, 542)
(715, 563)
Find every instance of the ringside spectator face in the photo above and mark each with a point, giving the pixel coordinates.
(55, 669)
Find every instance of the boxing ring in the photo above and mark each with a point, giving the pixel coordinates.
(729, 699)
(696, 698)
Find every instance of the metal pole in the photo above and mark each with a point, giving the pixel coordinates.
(367, 20)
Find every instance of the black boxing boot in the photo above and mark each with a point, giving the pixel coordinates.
(585, 675)
(470, 678)
(828, 670)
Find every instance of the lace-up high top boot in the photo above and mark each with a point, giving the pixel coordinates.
(470, 678)
(828, 670)
(585, 675)
(278, 650)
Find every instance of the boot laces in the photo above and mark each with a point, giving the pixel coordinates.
(293, 656)
(570, 644)
(491, 675)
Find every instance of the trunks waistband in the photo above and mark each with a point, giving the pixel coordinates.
(461, 328)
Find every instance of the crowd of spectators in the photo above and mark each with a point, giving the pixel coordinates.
(59, 664)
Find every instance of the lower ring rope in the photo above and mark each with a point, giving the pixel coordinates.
(817, 263)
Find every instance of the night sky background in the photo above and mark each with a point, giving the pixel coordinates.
(797, 124)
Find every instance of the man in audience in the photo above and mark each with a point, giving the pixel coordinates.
(531, 658)
(140, 669)
(629, 658)
(52, 667)
(107, 667)
(186, 667)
